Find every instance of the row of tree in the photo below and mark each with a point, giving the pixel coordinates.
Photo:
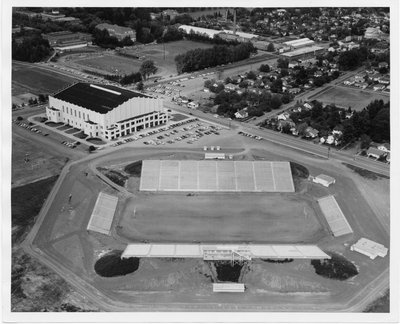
(30, 49)
(102, 38)
(199, 59)
(146, 69)
(256, 103)
(372, 123)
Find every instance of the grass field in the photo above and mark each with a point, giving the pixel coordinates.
(36, 80)
(116, 64)
(112, 64)
(244, 218)
(349, 97)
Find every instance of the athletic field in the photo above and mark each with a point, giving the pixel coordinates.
(228, 217)
(349, 97)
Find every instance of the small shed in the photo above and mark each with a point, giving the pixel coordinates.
(228, 287)
(324, 179)
(369, 248)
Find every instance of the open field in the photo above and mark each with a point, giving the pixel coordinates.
(112, 64)
(156, 53)
(40, 163)
(117, 64)
(33, 79)
(348, 97)
(245, 217)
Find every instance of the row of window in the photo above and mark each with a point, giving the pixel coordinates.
(74, 112)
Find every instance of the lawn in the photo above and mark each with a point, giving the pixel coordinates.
(112, 64)
(156, 53)
(344, 97)
(36, 80)
(233, 217)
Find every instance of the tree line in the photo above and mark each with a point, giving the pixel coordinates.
(31, 49)
(102, 38)
(199, 59)
(370, 124)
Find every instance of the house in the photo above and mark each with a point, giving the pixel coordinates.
(311, 132)
(283, 116)
(359, 78)
(374, 152)
(242, 114)
(369, 248)
(379, 87)
(231, 86)
(292, 64)
(193, 105)
(285, 123)
(318, 74)
(294, 90)
(349, 82)
(383, 65)
(307, 106)
(385, 147)
(361, 85)
(384, 80)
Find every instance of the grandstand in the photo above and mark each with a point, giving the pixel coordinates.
(103, 214)
(208, 175)
(334, 216)
(223, 251)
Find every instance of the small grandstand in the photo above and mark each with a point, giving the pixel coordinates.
(103, 214)
(221, 176)
(334, 216)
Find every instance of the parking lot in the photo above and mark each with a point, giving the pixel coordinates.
(187, 131)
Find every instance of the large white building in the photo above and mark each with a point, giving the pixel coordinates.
(105, 111)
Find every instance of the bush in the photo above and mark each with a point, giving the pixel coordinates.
(91, 148)
(338, 267)
(19, 118)
(134, 169)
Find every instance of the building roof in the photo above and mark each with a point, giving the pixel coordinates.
(103, 213)
(96, 97)
(374, 150)
(326, 178)
(189, 250)
(200, 30)
(304, 50)
(370, 248)
(115, 28)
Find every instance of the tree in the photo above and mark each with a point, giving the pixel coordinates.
(140, 86)
(270, 47)
(286, 98)
(251, 75)
(365, 141)
(147, 68)
(264, 68)
(283, 63)
(275, 102)
(301, 128)
(91, 148)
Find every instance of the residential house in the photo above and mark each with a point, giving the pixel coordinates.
(311, 132)
(193, 105)
(283, 116)
(383, 65)
(374, 152)
(379, 87)
(385, 147)
(240, 114)
(294, 90)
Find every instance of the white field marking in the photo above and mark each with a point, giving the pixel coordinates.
(179, 175)
(216, 176)
(273, 177)
(159, 176)
(254, 177)
(234, 168)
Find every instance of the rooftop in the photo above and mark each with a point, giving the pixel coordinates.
(97, 97)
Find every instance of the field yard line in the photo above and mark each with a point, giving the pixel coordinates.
(273, 176)
(198, 179)
(216, 176)
(254, 177)
(234, 168)
(159, 177)
(179, 175)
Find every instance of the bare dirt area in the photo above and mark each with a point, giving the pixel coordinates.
(243, 218)
(31, 161)
(31, 78)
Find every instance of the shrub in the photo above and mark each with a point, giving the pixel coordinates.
(338, 267)
(19, 118)
(91, 148)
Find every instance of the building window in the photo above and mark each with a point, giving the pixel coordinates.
(67, 111)
(75, 112)
(79, 114)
